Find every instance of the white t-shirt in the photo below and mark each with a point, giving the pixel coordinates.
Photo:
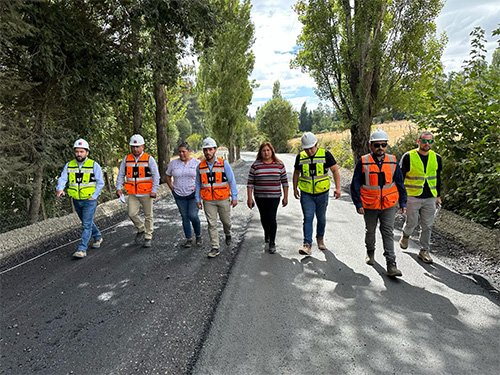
(184, 175)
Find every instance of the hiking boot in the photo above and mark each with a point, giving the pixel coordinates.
(321, 243)
(424, 256)
(213, 253)
(97, 244)
(147, 242)
(79, 254)
(139, 237)
(188, 243)
(403, 242)
(228, 239)
(392, 270)
(266, 246)
(272, 249)
(370, 258)
(199, 240)
(305, 249)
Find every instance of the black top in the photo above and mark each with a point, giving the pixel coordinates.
(405, 168)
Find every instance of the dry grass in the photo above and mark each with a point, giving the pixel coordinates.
(394, 130)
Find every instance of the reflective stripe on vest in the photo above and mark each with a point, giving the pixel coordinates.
(214, 184)
(374, 196)
(138, 177)
(81, 179)
(314, 178)
(415, 178)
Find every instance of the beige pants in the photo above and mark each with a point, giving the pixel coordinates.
(223, 208)
(134, 203)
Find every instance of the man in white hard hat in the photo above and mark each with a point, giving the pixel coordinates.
(216, 187)
(421, 169)
(312, 178)
(377, 186)
(85, 184)
(140, 177)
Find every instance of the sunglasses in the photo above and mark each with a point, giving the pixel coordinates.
(377, 145)
(429, 141)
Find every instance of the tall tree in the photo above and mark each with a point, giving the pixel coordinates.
(278, 120)
(223, 83)
(363, 54)
(305, 121)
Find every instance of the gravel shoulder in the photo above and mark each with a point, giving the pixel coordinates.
(470, 248)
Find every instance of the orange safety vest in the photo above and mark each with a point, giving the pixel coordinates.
(214, 184)
(374, 196)
(139, 179)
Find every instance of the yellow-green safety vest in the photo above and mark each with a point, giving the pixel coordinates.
(320, 181)
(81, 179)
(416, 177)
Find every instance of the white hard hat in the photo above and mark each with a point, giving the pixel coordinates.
(209, 142)
(81, 143)
(136, 140)
(308, 140)
(379, 135)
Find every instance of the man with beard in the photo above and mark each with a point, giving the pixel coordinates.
(139, 176)
(85, 184)
(376, 187)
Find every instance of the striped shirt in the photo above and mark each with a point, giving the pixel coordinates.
(266, 179)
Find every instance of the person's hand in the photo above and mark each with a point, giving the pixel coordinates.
(438, 201)
(91, 199)
(336, 194)
(402, 210)
(61, 193)
(285, 201)
(361, 211)
(152, 195)
(250, 203)
(198, 204)
(119, 193)
(234, 202)
(296, 193)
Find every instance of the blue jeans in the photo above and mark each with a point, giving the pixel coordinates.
(189, 212)
(85, 208)
(311, 205)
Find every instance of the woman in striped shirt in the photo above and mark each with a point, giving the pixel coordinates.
(266, 177)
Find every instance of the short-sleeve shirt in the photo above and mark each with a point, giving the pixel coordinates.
(184, 175)
(329, 161)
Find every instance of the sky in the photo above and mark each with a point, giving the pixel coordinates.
(277, 28)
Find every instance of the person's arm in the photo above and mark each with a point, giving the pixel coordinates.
(284, 183)
(197, 189)
(438, 179)
(356, 188)
(400, 184)
(295, 180)
(61, 182)
(120, 178)
(232, 183)
(99, 180)
(336, 177)
(168, 178)
(405, 164)
(153, 167)
(250, 187)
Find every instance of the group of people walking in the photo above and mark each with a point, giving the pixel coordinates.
(379, 183)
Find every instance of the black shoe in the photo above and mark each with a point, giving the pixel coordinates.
(139, 237)
(199, 240)
(228, 240)
(392, 270)
(213, 253)
(147, 243)
(272, 248)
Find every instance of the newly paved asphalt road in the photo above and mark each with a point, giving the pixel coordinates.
(170, 310)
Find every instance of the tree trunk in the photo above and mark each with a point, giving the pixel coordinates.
(163, 144)
(36, 198)
(238, 152)
(360, 137)
(137, 111)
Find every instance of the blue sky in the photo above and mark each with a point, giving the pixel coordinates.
(277, 28)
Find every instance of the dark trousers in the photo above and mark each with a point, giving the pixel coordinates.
(268, 207)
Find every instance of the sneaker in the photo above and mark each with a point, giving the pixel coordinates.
(403, 242)
(305, 249)
(199, 240)
(392, 270)
(213, 253)
(97, 244)
(370, 258)
(139, 237)
(79, 254)
(147, 242)
(188, 243)
(266, 246)
(228, 240)
(321, 243)
(424, 256)
(272, 249)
